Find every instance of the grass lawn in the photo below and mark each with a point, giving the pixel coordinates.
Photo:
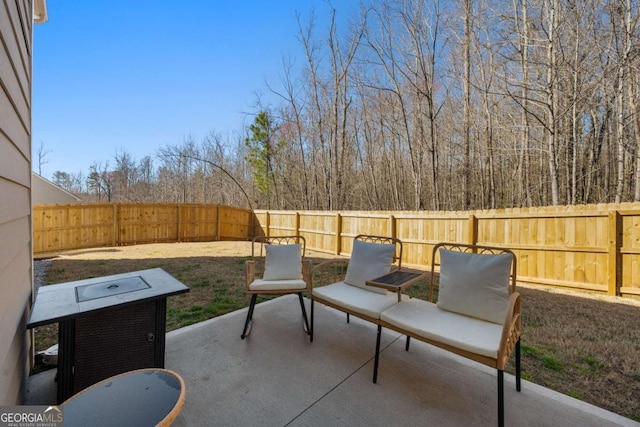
(585, 346)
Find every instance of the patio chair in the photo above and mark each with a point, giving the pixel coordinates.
(371, 257)
(277, 267)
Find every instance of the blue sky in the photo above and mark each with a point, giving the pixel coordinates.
(141, 75)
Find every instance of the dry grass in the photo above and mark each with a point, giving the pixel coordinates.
(581, 345)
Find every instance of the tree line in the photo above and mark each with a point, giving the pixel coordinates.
(424, 105)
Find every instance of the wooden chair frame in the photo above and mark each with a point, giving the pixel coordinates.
(340, 266)
(511, 328)
(255, 268)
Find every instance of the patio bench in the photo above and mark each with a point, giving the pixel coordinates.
(477, 315)
(371, 257)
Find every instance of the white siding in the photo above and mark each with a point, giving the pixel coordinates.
(16, 275)
(44, 192)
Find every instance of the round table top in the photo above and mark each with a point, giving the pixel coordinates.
(145, 397)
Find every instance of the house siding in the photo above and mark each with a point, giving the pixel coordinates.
(16, 265)
(46, 192)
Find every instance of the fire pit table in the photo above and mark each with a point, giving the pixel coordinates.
(107, 325)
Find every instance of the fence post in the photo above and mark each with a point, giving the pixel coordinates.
(218, 222)
(252, 224)
(472, 237)
(179, 219)
(297, 224)
(338, 233)
(392, 226)
(115, 232)
(614, 264)
(267, 225)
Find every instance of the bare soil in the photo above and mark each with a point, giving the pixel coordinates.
(583, 345)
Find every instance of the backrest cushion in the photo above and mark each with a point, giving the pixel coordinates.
(475, 285)
(369, 261)
(282, 262)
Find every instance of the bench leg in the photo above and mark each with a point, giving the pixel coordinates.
(375, 363)
(247, 324)
(406, 346)
(348, 317)
(500, 398)
(518, 365)
(311, 330)
(304, 314)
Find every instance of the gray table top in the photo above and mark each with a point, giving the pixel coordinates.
(55, 303)
(146, 397)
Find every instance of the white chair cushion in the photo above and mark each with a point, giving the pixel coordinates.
(277, 285)
(475, 285)
(426, 320)
(357, 299)
(282, 262)
(368, 261)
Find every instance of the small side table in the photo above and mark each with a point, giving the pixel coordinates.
(145, 397)
(396, 281)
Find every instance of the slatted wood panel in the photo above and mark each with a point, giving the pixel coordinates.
(594, 247)
(197, 223)
(320, 230)
(354, 223)
(282, 223)
(234, 223)
(74, 226)
(420, 233)
(630, 253)
(147, 224)
(60, 227)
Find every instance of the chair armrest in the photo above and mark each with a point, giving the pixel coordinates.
(249, 272)
(510, 331)
(328, 272)
(307, 273)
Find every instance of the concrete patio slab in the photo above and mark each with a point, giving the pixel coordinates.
(276, 377)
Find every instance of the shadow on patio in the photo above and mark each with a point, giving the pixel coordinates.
(276, 377)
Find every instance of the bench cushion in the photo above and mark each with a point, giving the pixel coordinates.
(425, 319)
(271, 285)
(356, 299)
(282, 262)
(475, 285)
(369, 261)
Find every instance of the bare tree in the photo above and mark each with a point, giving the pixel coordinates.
(42, 157)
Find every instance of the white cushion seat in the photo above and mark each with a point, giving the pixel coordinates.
(270, 285)
(427, 320)
(357, 299)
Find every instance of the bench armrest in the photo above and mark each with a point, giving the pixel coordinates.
(249, 272)
(510, 331)
(328, 272)
(307, 273)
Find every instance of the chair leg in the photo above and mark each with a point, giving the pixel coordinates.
(406, 346)
(518, 365)
(311, 331)
(500, 398)
(247, 324)
(347, 317)
(304, 314)
(375, 363)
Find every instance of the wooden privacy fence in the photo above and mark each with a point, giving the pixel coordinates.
(594, 247)
(75, 226)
